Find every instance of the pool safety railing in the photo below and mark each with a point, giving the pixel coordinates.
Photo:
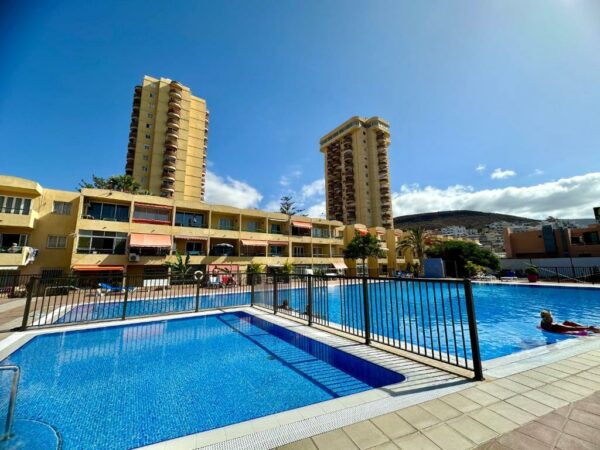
(570, 274)
(431, 318)
(11, 401)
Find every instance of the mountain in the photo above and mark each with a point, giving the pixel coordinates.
(469, 219)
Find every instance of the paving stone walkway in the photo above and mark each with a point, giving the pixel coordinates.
(552, 406)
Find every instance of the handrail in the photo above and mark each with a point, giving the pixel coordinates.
(13, 399)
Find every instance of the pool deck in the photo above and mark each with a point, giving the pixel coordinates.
(543, 398)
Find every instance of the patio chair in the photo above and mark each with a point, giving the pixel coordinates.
(214, 281)
(104, 288)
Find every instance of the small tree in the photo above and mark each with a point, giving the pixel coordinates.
(462, 252)
(287, 206)
(180, 268)
(121, 183)
(363, 247)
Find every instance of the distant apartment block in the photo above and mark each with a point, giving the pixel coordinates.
(168, 139)
(46, 231)
(551, 242)
(357, 175)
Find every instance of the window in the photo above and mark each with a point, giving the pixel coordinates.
(56, 242)
(151, 95)
(146, 147)
(317, 251)
(149, 115)
(275, 228)
(107, 211)
(8, 240)
(225, 223)
(152, 214)
(62, 208)
(148, 136)
(254, 227)
(102, 242)
(148, 125)
(145, 169)
(194, 248)
(145, 157)
(275, 250)
(298, 251)
(188, 219)
(15, 205)
(320, 232)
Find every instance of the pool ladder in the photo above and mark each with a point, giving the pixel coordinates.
(12, 401)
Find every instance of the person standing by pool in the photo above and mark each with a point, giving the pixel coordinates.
(548, 324)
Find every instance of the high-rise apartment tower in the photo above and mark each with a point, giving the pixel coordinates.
(357, 176)
(168, 139)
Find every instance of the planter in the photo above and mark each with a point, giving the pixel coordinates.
(532, 277)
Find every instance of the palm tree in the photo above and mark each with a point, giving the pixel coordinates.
(417, 240)
(180, 268)
(363, 247)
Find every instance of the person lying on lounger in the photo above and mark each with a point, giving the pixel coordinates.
(548, 324)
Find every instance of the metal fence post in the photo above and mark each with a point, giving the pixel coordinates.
(198, 293)
(365, 286)
(309, 299)
(27, 310)
(557, 277)
(275, 294)
(251, 290)
(476, 354)
(123, 317)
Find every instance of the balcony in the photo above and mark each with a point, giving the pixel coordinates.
(171, 144)
(175, 95)
(172, 134)
(174, 104)
(176, 85)
(14, 256)
(173, 123)
(173, 114)
(168, 176)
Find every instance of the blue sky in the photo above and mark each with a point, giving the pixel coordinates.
(509, 86)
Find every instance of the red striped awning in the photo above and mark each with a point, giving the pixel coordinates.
(305, 225)
(97, 268)
(150, 240)
(254, 243)
(229, 267)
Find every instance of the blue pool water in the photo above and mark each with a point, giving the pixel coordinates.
(507, 315)
(128, 386)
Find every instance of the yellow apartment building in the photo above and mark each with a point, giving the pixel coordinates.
(168, 139)
(357, 178)
(49, 232)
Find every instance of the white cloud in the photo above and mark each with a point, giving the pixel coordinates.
(480, 168)
(537, 172)
(316, 188)
(285, 180)
(231, 192)
(317, 210)
(499, 174)
(273, 205)
(565, 198)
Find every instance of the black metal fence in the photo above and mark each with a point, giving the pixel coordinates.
(570, 274)
(431, 318)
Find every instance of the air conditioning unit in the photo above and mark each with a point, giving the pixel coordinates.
(134, 257)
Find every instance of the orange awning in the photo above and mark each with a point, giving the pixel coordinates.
(191, 238)
(150, 240)
(150, 205)
(254, 243)
(305, 225)
(278, 243)
(96, 268)
(339, 265)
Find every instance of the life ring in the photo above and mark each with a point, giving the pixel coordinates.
(198, 274)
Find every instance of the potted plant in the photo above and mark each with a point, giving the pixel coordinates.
(253, 271)
(532, 274)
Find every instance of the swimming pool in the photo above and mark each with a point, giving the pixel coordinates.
(507, 315)
(127, 386)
